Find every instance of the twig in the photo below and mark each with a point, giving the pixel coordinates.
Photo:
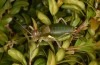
(83, 25)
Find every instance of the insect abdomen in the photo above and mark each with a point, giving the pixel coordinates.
(59, 29)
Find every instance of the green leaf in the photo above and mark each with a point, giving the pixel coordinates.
(51, 58)
(90, 12)
(78, 42)
(6, 59)
(6, 6)
(66, 44)
(17, 55)
(43, 43)
(76, 21)
(3, 38)
(85, 45)
(97, 45)
(2, 28)
(2, 2)
(40, 61)
(14, 10)
(20, 4)
(92, 55)
(17, 6)
(33, 50)
(44, 19)
(91, 2)
(15, 64)
(26, 18)
(73, 8)
(94, 62)
(94, 25)
(76, 2)
(60, 54)
(64, 37)
(53, 8)
(6, 19)
(86, 48)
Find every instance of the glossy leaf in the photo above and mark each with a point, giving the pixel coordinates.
(92, 55)
(72, 7)
(94, 62)
(63, 37)
(17, 55)
(3, 38)
(97, 45)
(85, 45)
(53, 8)
(6, 19)
(17, 6)
(87, 48)
(75, 2)
(59, 3)
(66, 44)
(60, 54)
(15, 10)
(5, 7)
(26, 18)
(34, 24)
(40, 61)
(79, 42)
(21, 4)
(33, 50)
(44, 19)
(6, 60)
(90, 12)
(51, 58)
(75, 22)
(2, 2)
(15, 64)
(94, 24)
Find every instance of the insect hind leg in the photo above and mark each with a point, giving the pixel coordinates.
(62, 20)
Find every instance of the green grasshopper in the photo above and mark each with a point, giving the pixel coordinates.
(55, 32)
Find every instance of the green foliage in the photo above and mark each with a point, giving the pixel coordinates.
(40, 61)
(49, 32)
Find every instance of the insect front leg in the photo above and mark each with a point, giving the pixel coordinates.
(54, 39)
(48, 39)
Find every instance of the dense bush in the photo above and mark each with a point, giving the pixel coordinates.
(49, 32)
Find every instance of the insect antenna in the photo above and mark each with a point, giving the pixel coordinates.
(25, 29)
